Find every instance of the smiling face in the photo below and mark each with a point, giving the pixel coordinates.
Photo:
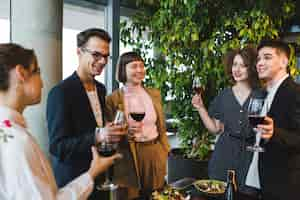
(135, 72)
(271, 64)
(93, 57)
(238, 69)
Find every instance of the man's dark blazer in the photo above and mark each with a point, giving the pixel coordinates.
(71, 126)
(280, 163)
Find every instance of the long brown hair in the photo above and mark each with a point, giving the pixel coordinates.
(249, 55)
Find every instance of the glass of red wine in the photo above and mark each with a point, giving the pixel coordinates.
(256, 114)
(106, 149)
(198, 86)
(136, 109)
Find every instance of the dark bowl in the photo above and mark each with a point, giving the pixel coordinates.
(214, 189)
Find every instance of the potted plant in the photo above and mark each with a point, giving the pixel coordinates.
(188, 39)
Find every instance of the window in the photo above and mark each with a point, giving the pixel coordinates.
(4, 21)
(77, 19)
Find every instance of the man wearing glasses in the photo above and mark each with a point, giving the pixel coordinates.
(75, 107)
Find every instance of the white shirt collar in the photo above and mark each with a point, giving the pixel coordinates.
(272, 91)
(7, 113)
(274, 87)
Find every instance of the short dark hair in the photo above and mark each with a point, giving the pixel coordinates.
(84, 36)
(124, 59)
(249, 55)
(12, 55)
(277, 44)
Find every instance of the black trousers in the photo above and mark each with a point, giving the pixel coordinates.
(251, 193)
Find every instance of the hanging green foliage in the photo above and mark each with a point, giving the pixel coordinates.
(188, 38)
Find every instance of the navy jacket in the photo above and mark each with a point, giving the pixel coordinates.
(71, 126)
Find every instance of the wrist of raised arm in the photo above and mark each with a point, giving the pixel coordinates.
(202, 110)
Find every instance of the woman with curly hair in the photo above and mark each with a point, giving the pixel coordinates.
(227, 117)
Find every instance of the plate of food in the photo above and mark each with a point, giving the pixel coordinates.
(210, 187)
(168, 194)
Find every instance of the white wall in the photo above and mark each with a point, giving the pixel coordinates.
(4, 21)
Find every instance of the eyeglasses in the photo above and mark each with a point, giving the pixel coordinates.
(96, 54)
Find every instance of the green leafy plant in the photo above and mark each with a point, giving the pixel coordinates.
(188, 38)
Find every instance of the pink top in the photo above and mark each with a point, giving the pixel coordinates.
(149, 129)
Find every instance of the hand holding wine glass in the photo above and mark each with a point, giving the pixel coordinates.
(114, 132)
(267, 128)
(256, 115)
(108, 146)
(198, 86)
(121, 121)
(136, 109)
(197, 102)
(100, 164)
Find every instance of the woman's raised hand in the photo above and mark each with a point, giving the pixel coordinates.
(197, 101)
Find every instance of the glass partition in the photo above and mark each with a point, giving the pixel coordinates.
(76, 19)
(4, 21)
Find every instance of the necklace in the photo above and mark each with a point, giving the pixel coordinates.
(94, 101)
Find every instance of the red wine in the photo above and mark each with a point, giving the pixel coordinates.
(255, 120)
(137, 116)
(198, 90)
(106, 151)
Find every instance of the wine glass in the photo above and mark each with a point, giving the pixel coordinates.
(120, 118)
(136, 110)
(106, 149)
(198, 86)
(256, 114)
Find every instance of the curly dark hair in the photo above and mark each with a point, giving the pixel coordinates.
(12, 55)
(249, 56)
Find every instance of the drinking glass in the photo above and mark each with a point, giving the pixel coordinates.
(136, 110)
(198, 86)
(256, 114)
(106, 149)
(120, 118)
